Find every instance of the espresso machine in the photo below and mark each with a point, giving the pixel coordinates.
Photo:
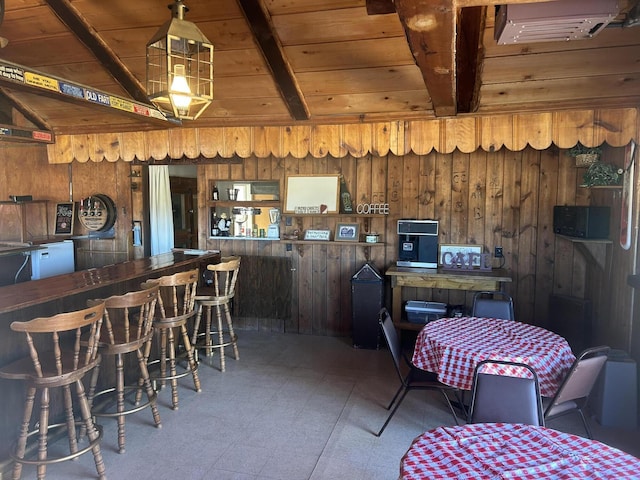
(418, 243)
(273, 230)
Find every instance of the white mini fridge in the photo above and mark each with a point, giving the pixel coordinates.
(54, 258)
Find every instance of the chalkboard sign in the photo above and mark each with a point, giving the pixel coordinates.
(64, 218)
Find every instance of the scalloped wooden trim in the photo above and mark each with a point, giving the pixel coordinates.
(616, 127)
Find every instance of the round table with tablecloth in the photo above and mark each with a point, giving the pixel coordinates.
(485, 451)
(452, 347)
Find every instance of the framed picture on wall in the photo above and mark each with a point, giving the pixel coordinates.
(347, 232)
(64, 218)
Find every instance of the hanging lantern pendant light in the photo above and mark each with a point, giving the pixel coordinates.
(180, 67)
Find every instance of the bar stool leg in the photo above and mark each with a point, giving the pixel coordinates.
(231, 332)
(163, 354)
(208, 341)
(146, 382)
(92, 433)
(44, 427)
(24, 431)
(71, 423)
(196, 327)
(220, 338)
(120, 401)
(172, 368)
(193, 365)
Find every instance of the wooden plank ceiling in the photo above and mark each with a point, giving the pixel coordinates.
(288, 62)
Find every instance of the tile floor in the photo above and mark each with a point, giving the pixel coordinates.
(294, 407)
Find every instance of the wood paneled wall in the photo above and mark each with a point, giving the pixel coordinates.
(498, 198)
(491, 199)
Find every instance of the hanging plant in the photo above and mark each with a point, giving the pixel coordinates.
(585, 156)
(601, 173)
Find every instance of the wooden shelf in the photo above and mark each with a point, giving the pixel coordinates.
(595, 251)
(338, 215)
(242, 203)
(332, 242)
(584, 240)
(603, 187)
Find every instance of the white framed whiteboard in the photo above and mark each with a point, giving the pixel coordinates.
(305, 191)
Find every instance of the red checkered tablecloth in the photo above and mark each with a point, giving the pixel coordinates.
(513, 451)
(451, 347)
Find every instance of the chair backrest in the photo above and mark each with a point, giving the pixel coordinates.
(128, 318)
(582, 376)
(392, 339)
(225, 276)
(177, 295)
(64, 343)
(487, 304)
(497, 396)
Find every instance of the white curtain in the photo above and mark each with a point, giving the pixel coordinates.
(160, 211)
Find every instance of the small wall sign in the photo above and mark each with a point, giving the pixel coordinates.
(367, 208)
(464, 257)
(64, 218)
(324, 235)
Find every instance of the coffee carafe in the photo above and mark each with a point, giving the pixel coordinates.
(273, 231)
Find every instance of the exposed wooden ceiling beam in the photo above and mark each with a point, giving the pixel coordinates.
(19, 77)
(265, 35)
(26, 112)
(430, 27)
(97, 46)
(445, 37)
(380, 7)
(471, 24)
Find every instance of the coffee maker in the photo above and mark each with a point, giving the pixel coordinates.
(418, 243)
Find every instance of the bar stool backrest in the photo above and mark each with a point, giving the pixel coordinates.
(225, 276)
(128, 318)
(59, 346)
(177, 293)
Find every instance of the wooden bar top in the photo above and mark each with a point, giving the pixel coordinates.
(27, 294)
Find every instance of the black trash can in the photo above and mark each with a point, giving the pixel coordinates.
(367, 298)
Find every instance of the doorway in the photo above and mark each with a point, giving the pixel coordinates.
(184, 202)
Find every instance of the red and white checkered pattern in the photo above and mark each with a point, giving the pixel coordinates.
(512, 451)
(452, 347)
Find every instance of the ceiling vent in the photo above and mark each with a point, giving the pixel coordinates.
(555, 21)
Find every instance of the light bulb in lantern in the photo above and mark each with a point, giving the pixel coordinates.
(179, 85)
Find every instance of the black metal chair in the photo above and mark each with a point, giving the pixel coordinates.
(576, 387)
(493, 304)
(502, 398)
(415, 379)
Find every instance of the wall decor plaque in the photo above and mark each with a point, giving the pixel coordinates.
(324, 235)
(64, 218)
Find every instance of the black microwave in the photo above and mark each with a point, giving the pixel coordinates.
(587, 222)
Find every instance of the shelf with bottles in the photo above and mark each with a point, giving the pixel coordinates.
(239, 192)
(253, 221)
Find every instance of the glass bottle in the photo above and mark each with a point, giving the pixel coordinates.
(215, 196)
(214, 224)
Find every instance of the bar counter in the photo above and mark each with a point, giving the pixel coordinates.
(63, 293)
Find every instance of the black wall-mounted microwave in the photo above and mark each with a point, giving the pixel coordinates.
(587, 222)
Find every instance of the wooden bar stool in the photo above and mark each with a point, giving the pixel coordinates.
(176, 306)
(62, 350)
(127, 328)
(225, 275)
